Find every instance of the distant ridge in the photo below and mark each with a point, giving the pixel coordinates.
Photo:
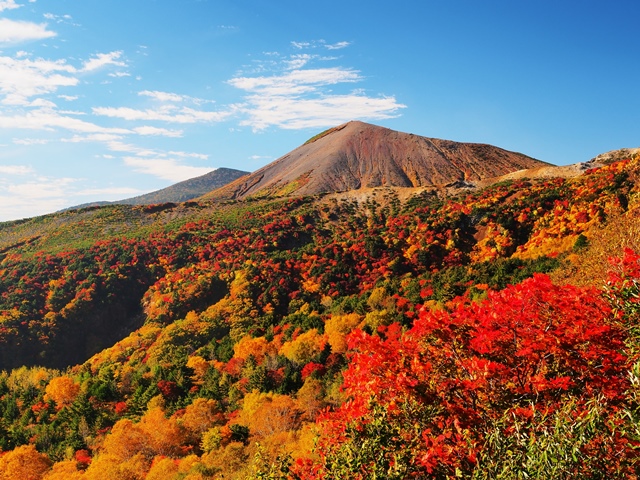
(358, 155)
(179, 192)
(188, 189)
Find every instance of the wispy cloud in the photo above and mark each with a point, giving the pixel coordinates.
(58, 18)
(293, 113)
(22, 78)
(163, 96)
(34, 196)
(320, 44)
(15, 170)
(168, 113)
(30, 141)
(38, 194)
(337, 46)
(158, 132)
(45, 119)
(17, 31)
(8, 5)
(168, 107)
(301, 45)
(305, 97)
(102, 60)
(297, 81)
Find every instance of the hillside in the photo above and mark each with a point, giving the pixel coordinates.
(395, 336)
(359, 155)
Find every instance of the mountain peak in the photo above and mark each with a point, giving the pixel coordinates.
(358, 155)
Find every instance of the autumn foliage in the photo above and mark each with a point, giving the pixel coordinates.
(328, 338)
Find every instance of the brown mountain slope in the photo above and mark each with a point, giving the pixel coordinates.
(359, 155)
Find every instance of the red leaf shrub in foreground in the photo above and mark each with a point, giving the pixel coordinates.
(422, 401)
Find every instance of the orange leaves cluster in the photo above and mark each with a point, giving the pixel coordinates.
(24, 463)
(62, 390)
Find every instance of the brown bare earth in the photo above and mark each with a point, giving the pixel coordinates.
(358, 155)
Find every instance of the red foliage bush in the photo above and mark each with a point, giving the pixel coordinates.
(527, 346)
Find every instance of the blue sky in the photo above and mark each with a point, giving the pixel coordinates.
(103, 100)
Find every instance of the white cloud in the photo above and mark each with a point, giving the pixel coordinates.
(296, 81)
(200, 156)
(30, 141)
(301, 99)
(24, 78)
(167, 113)
(118, 146)
(166, 169)
(161, 132)
(58, 18)
(296, 113)
(46, 119)
(320, 44)
(337, 46)
(40, 188)
(102, 60)
(95, 137)
(162, 96)
(36, 196)
(298, 61)
(8, 5)
(17, 31)
(15, 170)
(42, 103)
(168, 97)
(301, 45)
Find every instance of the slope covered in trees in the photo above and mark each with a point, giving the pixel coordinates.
(317, 338)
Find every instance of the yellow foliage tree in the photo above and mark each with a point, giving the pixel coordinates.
(162, 469)
(124, 441)
(109, 467)
(250, 346)
(163, 435)
(23, 463)
(25, 377)
(311, 398)
(62, 390)
(338, 327)
(65, 470)
(305, 348)
(199, 366)
(269, 413)
(228, 462)
(199, 417)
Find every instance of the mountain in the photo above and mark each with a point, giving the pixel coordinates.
(179, 192)
(189, 189)
(359, 155)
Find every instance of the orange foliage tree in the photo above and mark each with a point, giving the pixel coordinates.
(24, 463)
(62, 390)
